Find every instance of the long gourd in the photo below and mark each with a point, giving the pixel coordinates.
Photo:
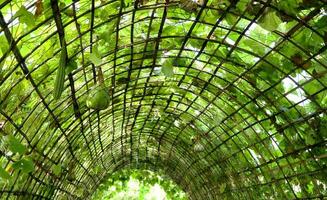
(60, 78)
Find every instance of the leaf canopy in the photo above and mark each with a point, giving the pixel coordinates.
(226, 97)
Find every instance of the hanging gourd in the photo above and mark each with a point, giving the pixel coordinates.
(60, 77)
(98, 98)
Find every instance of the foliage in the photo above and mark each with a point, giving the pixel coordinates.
(230, 95)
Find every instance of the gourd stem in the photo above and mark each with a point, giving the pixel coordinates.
(100, 77)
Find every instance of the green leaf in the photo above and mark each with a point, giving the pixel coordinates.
(108, 35)
(310, 187)
(4, 44)
(289, 6)
(56, 169)
(95, 57)
(3, 50)
(169, 30)
(211, 16)
(71, 66)
(270, 21)
(231, 19)
(15, 146)
(322, 23)
(4, 174)
(25, 17)
(167, 68)
(255, 46)
(2, 63)
(242, 5)
(25, 165)
(222, 188)
(196, 43)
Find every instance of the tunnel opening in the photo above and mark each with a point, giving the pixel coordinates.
(138, 184)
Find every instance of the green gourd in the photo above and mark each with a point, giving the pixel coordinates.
(99, 98)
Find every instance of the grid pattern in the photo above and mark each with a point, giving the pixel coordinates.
(242, 116)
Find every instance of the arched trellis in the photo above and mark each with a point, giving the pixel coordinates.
(221, 122)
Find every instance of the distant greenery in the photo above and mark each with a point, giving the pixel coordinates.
(138, 185)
